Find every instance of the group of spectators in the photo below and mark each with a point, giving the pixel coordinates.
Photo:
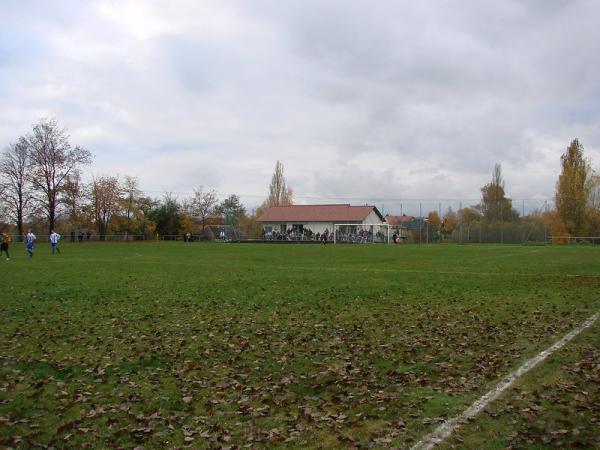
(81, 236)
(360, 236)
(292, 234)
(354, 235)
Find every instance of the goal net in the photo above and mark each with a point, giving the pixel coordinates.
(361, 233)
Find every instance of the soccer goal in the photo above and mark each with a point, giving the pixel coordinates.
(361, 233)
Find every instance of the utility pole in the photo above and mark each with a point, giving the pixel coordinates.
(420, 224)
(459, 223)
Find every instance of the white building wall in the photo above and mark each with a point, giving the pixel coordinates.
(373, 218)
(320, 227)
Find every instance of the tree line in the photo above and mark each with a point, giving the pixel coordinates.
(576, 211)
(41, 186)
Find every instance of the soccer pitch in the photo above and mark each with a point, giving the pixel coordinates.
(159, 345)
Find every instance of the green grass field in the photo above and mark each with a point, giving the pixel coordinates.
(302, 346)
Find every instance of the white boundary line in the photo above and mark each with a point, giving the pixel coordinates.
(449, 426)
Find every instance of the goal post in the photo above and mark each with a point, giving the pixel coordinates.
(361, 233)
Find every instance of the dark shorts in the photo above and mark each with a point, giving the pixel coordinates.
(4, 247)
(30, 245)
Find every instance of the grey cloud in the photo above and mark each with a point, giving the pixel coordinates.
(358, 100)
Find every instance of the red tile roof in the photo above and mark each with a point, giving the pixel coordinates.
(398, 220)
(318, 213)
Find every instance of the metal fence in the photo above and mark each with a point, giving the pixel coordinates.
(81, 239)
(593, 240)
(501, 233)
(463, 234)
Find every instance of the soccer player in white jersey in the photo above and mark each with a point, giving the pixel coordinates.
(29, 241)
(54, 238)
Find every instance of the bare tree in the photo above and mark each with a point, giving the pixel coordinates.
(16, 191)
(280, 194)
(73, 197)
(203, 204)
(105, 198)
(53, 159)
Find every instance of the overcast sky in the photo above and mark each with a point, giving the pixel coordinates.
(365, 101)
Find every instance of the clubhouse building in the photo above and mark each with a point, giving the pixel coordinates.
(316, 218)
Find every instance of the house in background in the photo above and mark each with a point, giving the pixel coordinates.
(407, 227)
(316, 218)
(402, 221)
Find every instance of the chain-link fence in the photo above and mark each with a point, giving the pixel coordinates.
(410, 221)
(501, 232)
(83, 238)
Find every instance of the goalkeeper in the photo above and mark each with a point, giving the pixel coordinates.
(5, 238)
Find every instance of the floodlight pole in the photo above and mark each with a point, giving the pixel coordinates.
(421, 223)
